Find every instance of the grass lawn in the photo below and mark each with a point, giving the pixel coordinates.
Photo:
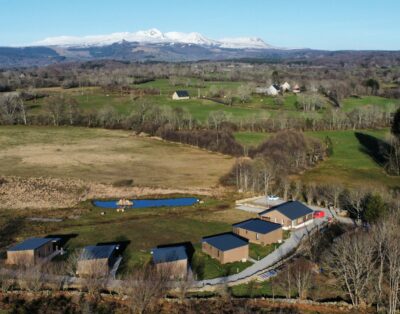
(256, 289)
(100, 155)
(144, 228)
(349, 164)
(251, 138)
(352, 103)
(206, 267)
(258, 252)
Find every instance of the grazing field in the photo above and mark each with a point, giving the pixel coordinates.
(106, 156)
(94, 98)
(91, 99)
(352, 103)
(251, 138)
(349, 165)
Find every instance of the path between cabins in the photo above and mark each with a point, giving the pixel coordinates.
(285, 249)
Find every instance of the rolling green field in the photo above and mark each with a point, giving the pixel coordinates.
(349, 164)
(94, 98)
(352, 103)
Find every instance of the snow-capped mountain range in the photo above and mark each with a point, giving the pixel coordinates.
(154, 36)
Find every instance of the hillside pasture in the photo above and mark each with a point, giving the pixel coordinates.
(106, 156)
(95, 98)
(349, 165)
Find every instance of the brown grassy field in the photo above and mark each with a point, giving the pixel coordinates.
(105, 156)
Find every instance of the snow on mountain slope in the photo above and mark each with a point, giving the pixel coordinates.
(153, 36)
(244, 42)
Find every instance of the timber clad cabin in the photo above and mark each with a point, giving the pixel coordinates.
(97, 259)
(173, 258)
(32, 251)
(259, 231)
(291, 214)
(226, 247)
(180, 94)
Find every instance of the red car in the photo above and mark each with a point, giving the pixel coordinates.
(319, 214)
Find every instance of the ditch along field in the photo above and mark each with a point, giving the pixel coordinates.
(94, 98)
(350, 163)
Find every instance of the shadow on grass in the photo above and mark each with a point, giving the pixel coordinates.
(9, 230)
(376, 148)
(64, 238)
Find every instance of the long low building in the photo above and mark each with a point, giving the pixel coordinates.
(226, 247)
(32, 251)
(259, 231)
(171, 258)
(290, 215)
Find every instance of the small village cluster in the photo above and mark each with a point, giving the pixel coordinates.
(226, 247)
(276, 89)
(272, 90)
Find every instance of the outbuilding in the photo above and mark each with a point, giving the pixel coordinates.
(97, 260)
(180, 95)
(171, 258)
(273, 90)
(226, 247)
(285, 87)
(33, 251)
(293, 214)
(259, 231)
(296, 89)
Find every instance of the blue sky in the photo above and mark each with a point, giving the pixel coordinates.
(323, 24)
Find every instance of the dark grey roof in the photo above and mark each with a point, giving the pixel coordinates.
(226, 241)
(97, 251)
(169, 254)
(182, 93)
(258, 225)
(32, 244)
(292, 210)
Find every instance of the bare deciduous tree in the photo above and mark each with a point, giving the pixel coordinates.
(146, 286)
(301, 272)
(352, 260)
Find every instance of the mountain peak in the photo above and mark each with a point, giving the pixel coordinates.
(153, 35)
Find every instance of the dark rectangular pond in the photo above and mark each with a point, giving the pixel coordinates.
(163, 202)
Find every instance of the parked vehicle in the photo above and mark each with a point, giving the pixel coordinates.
(319, 214)
(272, 197)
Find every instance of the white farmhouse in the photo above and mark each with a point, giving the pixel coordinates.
(296, 89)
(285, 87)
(273, 90)
(180, 94)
